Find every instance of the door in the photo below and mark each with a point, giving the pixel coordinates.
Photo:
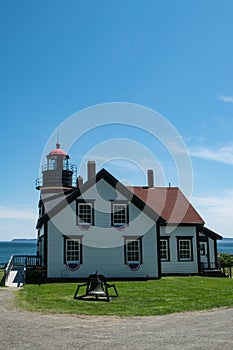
(204, 256)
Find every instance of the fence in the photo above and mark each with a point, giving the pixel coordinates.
(26, 260)
(21, 260)
(227, 269)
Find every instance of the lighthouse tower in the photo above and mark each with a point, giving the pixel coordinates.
(57, 173)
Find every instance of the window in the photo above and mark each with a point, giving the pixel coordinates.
(41, 210)
(85, 213)
(164, 249)
(119, 214)
(73, 250)
(202, 249)
(185, 249)
(133, 250)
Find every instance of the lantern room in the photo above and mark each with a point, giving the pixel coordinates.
(57, 173)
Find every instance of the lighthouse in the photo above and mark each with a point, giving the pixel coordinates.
(57, 173)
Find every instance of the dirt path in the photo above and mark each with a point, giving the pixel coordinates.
(191, 330)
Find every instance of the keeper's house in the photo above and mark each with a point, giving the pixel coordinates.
(121, 232)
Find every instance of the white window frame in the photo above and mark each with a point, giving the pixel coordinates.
(121, 207)
(137, 251)
(81, 221)
(186, 251)
(164, 249)
(74, 251)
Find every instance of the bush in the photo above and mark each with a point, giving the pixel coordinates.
(226, 260)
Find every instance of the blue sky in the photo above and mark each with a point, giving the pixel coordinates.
(59, 57)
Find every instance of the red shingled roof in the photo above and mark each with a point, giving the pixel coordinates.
(58, 151)
(170, 203)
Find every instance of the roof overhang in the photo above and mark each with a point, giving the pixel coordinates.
(111, 180)
(206, 231)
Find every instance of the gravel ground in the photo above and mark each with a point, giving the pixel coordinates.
(190, 330)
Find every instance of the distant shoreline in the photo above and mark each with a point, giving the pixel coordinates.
(24, 240)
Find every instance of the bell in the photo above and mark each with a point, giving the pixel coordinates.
(96, 287)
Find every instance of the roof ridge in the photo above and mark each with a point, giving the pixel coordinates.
(102, 174)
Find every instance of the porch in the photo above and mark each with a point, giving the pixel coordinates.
(213, 269)
(15, 271)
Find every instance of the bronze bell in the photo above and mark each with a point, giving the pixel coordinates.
(96, 287)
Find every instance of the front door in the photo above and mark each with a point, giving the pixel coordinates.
(204, 256)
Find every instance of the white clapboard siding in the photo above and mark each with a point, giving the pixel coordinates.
(174, 266)
(103, 245)
(107, 260)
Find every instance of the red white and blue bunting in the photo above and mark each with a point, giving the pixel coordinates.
(134, 265)
(73, 265)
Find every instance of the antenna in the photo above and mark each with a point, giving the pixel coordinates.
(58, 136)
(58, 141)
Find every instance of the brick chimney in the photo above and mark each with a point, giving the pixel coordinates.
(91, 169)
(150, 178)
(79, 181)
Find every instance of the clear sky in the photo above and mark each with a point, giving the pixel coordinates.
(61, 56)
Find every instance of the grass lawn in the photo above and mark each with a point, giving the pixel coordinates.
(144, 298)
(1, 277)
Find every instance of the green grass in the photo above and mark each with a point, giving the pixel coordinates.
(1, 277)
(146, 298)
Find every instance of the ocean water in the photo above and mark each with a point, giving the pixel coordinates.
(225, 245)
(17, 248)
(29, 248)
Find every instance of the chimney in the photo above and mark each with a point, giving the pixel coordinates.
(150, 177)
(79, 181)
(91, 169)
